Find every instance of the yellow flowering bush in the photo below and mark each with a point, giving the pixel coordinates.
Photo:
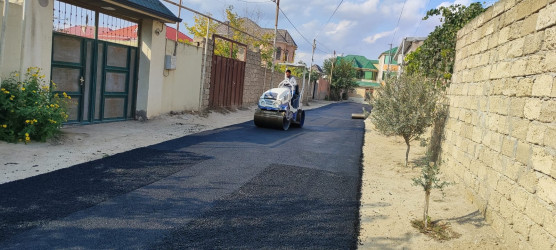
(29, 109)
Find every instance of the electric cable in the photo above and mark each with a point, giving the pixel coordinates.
(329, 18)
(398, 24)
(421, 20)
(295, 27)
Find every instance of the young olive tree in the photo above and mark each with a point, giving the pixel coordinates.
(429, 180)
(435, 58)
(405, 107)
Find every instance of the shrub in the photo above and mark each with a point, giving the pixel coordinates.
(30, 109)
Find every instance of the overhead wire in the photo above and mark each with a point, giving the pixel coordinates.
(398, 24)
(329, 18)
(421, 20)
(267, 1)
(295, 27)
(212, 18)
(323, 45)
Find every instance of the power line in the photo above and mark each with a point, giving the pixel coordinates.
(267, 1)
(421, 20)
(295, 27)
(329, 18)
(398, 24)
(212, 18)
(326, 52)
(323, 45)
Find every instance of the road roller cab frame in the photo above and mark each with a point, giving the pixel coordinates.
(276, 109)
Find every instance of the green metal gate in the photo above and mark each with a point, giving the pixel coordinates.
(98, 75)
(94, 61)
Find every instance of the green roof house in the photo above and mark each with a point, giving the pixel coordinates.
(366, 74)
(387, 63)
(365, 68)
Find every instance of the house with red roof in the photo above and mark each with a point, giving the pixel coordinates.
(84, 31)
(130, 33)
(127, 34)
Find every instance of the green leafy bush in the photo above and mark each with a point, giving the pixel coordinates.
(30, 109)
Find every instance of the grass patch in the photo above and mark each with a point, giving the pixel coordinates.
(438, 230)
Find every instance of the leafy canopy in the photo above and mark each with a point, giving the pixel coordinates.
(342, 73)
(224, 48)
(435, 58)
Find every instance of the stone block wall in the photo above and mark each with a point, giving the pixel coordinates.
(257, 79)
(500, 137)
(207, 67)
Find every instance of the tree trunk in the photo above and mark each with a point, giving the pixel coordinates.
(406, 152)
(426, 212)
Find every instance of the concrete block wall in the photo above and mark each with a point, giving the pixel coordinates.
(500, 137)
(208, 67)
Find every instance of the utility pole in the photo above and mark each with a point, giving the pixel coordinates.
(311, 67)
(275, 35)
(389, 61)
(331, 73)
(177, 30)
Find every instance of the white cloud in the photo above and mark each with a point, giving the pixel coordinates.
(367, 7)
(372, 39)
(307, 11)
(303, 56)
(340, 28)
(462, 2)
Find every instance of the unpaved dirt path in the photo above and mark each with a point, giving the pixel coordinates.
(390, 202)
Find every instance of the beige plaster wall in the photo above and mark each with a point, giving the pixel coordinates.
(181, 86)
(500, 137)
(28, 36)
(151, 67)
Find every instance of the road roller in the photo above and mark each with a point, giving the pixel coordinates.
(279, 108)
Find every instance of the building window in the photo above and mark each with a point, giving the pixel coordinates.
(278, 53)
(286, 56)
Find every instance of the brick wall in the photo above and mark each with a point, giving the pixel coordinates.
(500, 137)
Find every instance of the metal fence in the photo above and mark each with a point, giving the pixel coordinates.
(74, 20)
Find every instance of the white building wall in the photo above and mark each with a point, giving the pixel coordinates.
(28, 39)
(151, 65)
(181, 87)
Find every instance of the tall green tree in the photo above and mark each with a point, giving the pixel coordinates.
(237, 33)
(265, 45)
(435, 58)
(405, 107)
(199, 28)
(342, 73)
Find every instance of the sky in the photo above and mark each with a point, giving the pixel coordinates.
(358, 27)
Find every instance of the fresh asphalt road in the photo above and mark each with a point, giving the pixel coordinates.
(238, 187)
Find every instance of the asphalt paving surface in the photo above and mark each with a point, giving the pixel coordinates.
(238, 187)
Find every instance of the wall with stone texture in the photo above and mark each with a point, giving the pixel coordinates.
(500, 137)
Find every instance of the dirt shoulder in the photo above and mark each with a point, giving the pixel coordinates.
(390, 202)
